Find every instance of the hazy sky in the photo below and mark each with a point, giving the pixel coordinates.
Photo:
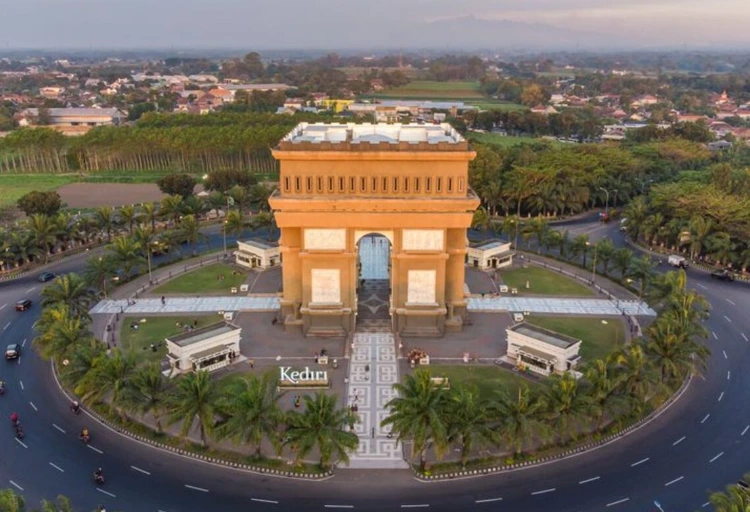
(349, 23)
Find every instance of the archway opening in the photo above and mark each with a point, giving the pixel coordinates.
(374, 278)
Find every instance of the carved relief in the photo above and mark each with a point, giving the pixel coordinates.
(325, 239)
(422, 239)
(421, 287)
(326, 286)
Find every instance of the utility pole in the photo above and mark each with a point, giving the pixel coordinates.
(606, 204)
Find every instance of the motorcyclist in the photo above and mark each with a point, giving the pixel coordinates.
(85, 434)
(99, 475)
(14, 417)
(75, 406)
(2, 385)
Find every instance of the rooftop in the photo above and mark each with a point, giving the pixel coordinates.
(260, 243)
(198, 335)
(486, 245)
(379, 137)
(544, 335)
(76, 112)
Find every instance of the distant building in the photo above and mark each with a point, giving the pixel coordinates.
(257, 253)
(74, 121)
(51, 93)
(545, 111)
(254, 87)
(541, 350)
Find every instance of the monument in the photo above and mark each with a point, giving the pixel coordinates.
(344, 185)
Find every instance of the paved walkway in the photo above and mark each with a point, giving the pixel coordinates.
(373, 370)
(488, 304)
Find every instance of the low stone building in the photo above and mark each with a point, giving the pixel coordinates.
(541, 350)
(489, 254)
(208, 348)
(257, 253)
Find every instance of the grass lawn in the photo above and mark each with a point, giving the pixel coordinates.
(543, 282)
(203, 280)
(486, 379)
(154, 330)
(598, 338)
(505, 141)
(490, 104)
(13, 186)
(425, 89)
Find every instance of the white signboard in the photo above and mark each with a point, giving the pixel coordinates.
(326, 285)
(421, 287)
(325, 239)
(422, 239)
(289, 376)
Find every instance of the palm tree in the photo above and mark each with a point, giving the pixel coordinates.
(519, 419)
(190, 229)
(151, 213)
(171, 208)
(605, 251)
(146, 392)
(98, 271)
(81, 359)
(11, 502)
(259, 195)
(61, 504)
(540, 230)
(482, 221)
(720, 247)
(109, 375)
(735, 499)
(126, 253)
(508, 226)
(580, 245)
(44, 231)
(60, 331)
(128, 216)
(622, 260)
(321, 425)
(105, 220)
(240, 195)
(665, 288)
(642, 269)
(419, 413)
(23, 245)
(673, 353)
(469, 421)
(251, 405)
(193, 399)
(264, 220)
(567, 406)
(604, 385)
(71, 290)
(234, 223)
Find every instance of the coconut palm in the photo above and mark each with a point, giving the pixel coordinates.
(642, 270)
(321, 425)
(146, 393)
(105, 220)
(11, 502)
(621, 260)
(419, 413)
(539, 229)
(482, 221)
(60, 332)
(22, 244)
(150, 214)
(639, 376)
(264, 220)
(605, 382)
(734, 499)
(98, 271)
(234, 223)
(81, 358)
(128, 216)
(193, 400)
(251, 405)
(636, 213)
(259, 195)
(720, 247)
(673, 353)
(71, 290)
(171, 208)
(61, 504)
(44, 232)
(190, 230)
(126, 253)
(469, 421)
(580, 245)
(567, 407)
(109, 375)
(605, 251)
(519, 419)
(240, 195)
(666, 287)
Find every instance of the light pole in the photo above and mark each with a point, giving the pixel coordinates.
(148, 258)
(606, 203)
(644, 183)
(593, 270)
(224, 229)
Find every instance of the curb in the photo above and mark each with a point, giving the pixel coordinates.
(185, 453)
(69, 254)
(573, 452)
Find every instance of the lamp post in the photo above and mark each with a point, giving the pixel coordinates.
(606, 203)
(104, 281)
(224, 229)
(644, 183)
(148, 258)
(593, 270)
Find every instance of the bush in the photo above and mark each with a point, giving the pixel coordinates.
(35, 202)
(177, 184)
(225, 179)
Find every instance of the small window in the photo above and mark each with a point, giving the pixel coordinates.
(352, 184)
(416, 184)
(428, 185)
(385, 185)
(330, 184)
(450, 184)
(342, 184)
(395, 184)
(297, 184)
(286, 184)
(320, 184)
(362, 184)
(439, 185)
(460, 184)
(406, 184)
(309, 184)
(374, 185)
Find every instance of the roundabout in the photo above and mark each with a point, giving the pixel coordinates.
(698, 445)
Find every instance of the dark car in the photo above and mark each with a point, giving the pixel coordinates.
(12, 351)
(46, 276)
(723, 275)
(23, 305)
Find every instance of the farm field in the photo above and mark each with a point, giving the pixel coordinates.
(13, 186)
(505, 141)
(424, 89)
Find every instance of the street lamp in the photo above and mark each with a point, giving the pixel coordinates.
(606, 204)
(148, 258)
(224, 226)
(644, 183)
(593, 270)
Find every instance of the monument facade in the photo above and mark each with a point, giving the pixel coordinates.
(340, 184)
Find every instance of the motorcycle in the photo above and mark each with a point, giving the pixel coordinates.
(19, 431)
(75, 408)
(2, 388)
(85, 438)
(99, 478)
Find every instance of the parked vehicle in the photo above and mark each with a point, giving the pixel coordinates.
(677, 261)
(723, 275)
(12, 351)
(23, 305)
(46, 276)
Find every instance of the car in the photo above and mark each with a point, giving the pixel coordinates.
(12, 351)
(46, 276)
(23, 305)
(723, 275)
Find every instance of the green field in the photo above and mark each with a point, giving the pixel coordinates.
(204, 280)
(505, 141)
(486, 379)
(598, 338)
(543, 282)
(154, 330)
(13, 186)
(490, 104)
(424, 89)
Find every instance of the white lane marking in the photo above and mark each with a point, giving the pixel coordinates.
(97, 450)
(679, 441)
(13, 483)
(58, 428)
(715, 336)
(141, 470)
(618, 502)
(260, 500)
(21, 383)
(339, 506)
(2, 307)
(201, 489)
(725, 354)
(589, 480)
(105, 492)
(744, 337)
(701, 286)
(420, 505)
(745, 431)
(545, 491)
(673, 481)
(634, 464)
(729, 374)
(6, 326)
(706, 504)
(61, 470)
(24, 343)
(716, 457)
(720, 396)
(33, 406)
(30, 289)
(705, 418)
(20, 442)
(488, 500)
(727, 319)
(729, 301)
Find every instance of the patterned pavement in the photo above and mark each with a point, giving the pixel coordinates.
(187, 305)
(373, 370)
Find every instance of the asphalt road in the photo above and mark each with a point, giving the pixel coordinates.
(698, 445)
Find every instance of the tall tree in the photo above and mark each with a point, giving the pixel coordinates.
(193, 400)
(519, 419)
(70, 290)
(469, 421)
(146, 392)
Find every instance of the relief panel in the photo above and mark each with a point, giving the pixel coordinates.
(326, 286)
(421, 287)
(422, 240)
(325, 239)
